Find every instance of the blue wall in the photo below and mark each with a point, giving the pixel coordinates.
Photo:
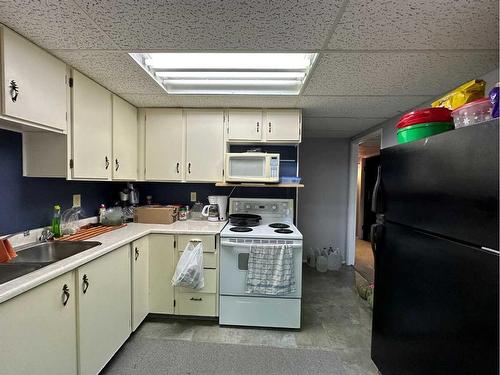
(28, 202)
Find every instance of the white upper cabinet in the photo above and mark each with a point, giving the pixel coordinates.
(124, 140)
(164, 144)
(204, 145)
(34, 87)
(283, 125)
(244, 125)
(263, 126)
(91, 129)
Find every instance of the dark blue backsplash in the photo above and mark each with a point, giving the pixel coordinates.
(28, 202)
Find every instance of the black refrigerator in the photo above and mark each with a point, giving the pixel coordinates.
(436, 255)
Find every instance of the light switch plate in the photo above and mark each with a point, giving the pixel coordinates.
(193, 196)
(77, 200)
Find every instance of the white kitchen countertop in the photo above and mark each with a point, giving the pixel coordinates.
(109, 242)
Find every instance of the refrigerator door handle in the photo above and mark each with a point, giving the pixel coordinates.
(375, 235)
(376, 197)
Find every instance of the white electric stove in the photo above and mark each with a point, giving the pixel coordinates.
(276, 227)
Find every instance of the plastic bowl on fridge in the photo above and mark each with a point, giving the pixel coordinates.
(424, 115)
(419, 131)
(472, 113)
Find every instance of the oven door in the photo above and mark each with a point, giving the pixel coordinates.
(234, 267)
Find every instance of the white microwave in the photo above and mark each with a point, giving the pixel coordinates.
(252, 167)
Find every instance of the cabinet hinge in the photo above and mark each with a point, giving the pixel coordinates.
(223, 173)
(175, 244)
(71, 163)
(71, 82)
(174, 302)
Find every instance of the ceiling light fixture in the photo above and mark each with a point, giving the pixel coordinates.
(228, 73)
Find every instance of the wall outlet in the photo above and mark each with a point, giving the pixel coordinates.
(193, 196)
(77, 200)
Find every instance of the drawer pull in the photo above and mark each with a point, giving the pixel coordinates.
(196, 299)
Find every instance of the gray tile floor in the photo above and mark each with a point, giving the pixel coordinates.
(335, 322)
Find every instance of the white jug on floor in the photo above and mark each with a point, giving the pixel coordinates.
(334, 260)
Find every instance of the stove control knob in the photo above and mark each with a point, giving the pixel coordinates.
(247, 206)
(274, 207)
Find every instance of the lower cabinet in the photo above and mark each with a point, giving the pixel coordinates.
(104, 309)
(161, 270)
(38, 330)
(140, 281)
(204, 301)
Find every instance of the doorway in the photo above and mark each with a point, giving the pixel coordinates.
(368, 157)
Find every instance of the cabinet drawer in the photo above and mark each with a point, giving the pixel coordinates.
(209, 259)
(197, 304)
(210, 283)
(208, 241)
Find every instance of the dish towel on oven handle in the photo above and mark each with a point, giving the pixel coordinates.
(270, 270)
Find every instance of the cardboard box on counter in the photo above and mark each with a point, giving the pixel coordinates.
(155, 214)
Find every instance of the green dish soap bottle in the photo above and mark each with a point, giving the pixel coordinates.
(56, 221)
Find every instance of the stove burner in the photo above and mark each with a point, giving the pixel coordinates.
(240, 229)
(283, 231)
(279, 225)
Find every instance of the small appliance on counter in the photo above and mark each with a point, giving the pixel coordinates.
(252, 167)
(129, 199)
(221, 202)
(211, 212)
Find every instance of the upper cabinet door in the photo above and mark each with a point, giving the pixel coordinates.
(34, 83)
(244, 125)
(124, 140)
(205, 145)
(91, 104)
(164, 144)
(283, 125)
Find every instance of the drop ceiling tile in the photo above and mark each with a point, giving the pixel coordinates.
(215, 24)
(358, 106)
(410, 24)
(337, 126)
(244, 101)
(147, 100)
(53, 24)
(397, 73)
(205, 101)
(116, 71)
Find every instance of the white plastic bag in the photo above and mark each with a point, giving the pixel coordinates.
(189, 270)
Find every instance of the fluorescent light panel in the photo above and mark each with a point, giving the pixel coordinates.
(228, 73)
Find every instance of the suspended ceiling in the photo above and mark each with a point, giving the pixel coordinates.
(377, 58)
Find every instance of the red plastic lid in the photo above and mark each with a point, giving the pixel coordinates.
(423, 115)
(473, 103)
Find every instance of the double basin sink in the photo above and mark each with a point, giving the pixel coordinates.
(36, 256)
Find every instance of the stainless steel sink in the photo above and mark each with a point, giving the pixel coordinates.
(49, 252)
(10, 271)
(34, 257)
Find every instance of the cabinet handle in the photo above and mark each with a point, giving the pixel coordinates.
(189, 167)
(117, 164)
(65, 295)
(196, 299)
(136, 253)
(106, 162)
(14, 90)
(270, 127)
(257, 126)
(85, 283)
(177, 167)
